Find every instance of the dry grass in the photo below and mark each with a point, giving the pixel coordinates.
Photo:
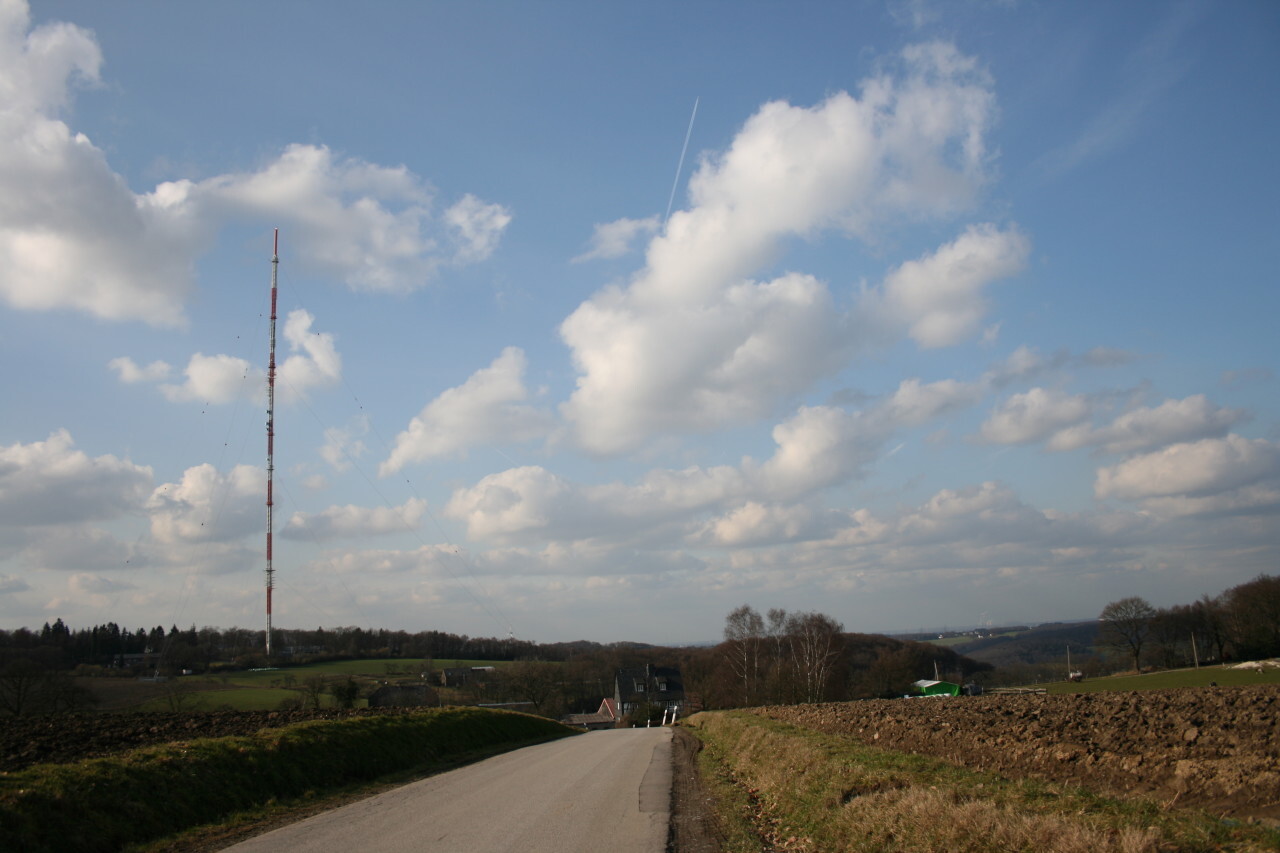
(800, 790)
(925, 819)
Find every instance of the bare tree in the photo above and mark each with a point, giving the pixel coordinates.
(743, 632)
(1211, 622)
(815, 645)
(1253, 617)
(26, 687)
(1126, 624)
(179, 695)
(776, 634)
(346, 693)
(891, 672)
(20, 686)
(312, 690)
(534, 681)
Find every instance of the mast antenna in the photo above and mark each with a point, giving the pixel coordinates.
(271, 429)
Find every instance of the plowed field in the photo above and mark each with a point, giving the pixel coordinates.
(34, 740)
(1212, 748)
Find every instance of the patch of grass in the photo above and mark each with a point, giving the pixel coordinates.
(807, 791)
(107, 804)
(734, 806)
(373, 668)
(1202, 677)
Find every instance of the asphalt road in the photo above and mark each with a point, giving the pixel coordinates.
(607, 790)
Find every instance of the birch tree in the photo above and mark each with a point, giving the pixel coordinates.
(743, 634)
(815, 646)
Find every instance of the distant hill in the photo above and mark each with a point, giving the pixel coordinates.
(1042, 643)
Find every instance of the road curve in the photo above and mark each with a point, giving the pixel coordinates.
(607, 790)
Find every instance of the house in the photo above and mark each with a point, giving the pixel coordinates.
(660, 688)
(606, 717)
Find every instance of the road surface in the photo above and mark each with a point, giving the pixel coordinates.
(606, 790)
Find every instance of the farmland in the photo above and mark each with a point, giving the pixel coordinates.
(1213, 747)
(1215, 676)
(255, 690)
(1185, 769)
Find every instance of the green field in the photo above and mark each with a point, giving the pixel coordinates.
(264, 689)
(1202, 677)
(373, 668)
(233, 698)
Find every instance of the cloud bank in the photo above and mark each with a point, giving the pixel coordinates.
(74, 236)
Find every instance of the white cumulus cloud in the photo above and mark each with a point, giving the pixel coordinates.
(51, 482)
(1202, 468)
(915, 402)
(489, 408)
(939, 298)
(346, 522)
(614, 239)
(693, 343)
(816, 448)
(477, 226)
(1172, 422)
(756, 523)
(215, 379)
(1033, 416)
(315, 362)
(130, 373)
(73, 235)
(209, 506)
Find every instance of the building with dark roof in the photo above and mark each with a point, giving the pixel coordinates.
(659, 688)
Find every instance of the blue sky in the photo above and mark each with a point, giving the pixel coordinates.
(957, 312)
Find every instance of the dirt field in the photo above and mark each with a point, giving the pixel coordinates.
(1211, 748)
(33, 740)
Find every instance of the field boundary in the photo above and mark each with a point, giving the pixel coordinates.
(108, 804)
(787, 788)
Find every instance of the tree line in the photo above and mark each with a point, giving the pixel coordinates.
(781, 658)
(1242, 623)
(57, 646)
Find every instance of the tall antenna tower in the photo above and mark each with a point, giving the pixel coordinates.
(271, 427)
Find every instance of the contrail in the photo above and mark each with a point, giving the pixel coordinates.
(680, 165)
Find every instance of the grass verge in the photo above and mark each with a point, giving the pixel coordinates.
(108, 804)
(781, 787)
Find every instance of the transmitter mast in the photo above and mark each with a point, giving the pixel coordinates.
(271, 428)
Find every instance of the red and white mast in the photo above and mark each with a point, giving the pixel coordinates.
(271, 424)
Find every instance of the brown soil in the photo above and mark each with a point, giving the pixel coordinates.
(1212, 748)
(693, 814)
(58, 739)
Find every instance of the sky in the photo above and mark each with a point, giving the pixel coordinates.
(599, 320)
